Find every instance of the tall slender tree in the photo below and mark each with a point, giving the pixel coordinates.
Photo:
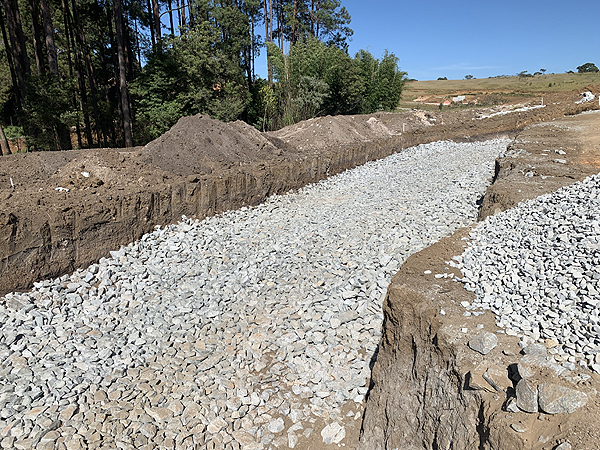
(156, 20)
(37, 37)
(123, 94)
(18, 47)
(150, 17)
(268, 39)
(49, 31)
(171, 23)
(9, 56)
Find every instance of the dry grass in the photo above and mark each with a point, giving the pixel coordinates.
(493, 91)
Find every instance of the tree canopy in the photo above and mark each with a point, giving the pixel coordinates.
(587, 68)
(102, 73)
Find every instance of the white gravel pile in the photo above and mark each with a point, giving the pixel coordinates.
(537, 267)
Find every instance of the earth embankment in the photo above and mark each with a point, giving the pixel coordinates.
(64, 210)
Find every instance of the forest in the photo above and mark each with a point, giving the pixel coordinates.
(119, 73)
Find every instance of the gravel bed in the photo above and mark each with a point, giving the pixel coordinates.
(537, 267)
(243, 329)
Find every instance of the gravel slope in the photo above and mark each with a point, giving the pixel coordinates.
(246, 329)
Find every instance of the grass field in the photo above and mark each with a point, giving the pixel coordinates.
(492, 91)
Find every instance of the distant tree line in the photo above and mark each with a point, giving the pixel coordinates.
(107, 73)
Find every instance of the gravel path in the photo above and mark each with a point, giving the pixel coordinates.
(537, 267)
(243, 330)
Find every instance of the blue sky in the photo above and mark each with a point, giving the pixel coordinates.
(454, 38)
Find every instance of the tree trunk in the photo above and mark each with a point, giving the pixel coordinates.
(89, 69)
(183, 21)
(312, 17)
(129, 55)
(271, 20)
(70, 43)
(4, 143)
(83, 103)
(293, 37)
(170, 4)
(137, 41)
(280, 20)
(251, 51)
(37, 37)
(101, 23)
(190, 14)
(151, 20)
(118, 128)
(9, 57)
(65, 7)
(21, 38)
(122, 78)
(50, 45)
(19, 52)
(268, 38)
(156, 14)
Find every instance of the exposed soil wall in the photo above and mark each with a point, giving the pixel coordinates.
(426, 391)
(570, 141)
(201, 167)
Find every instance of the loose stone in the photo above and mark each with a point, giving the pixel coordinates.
(518, 427)
(554, 399)
(276, 426)
(333, 433)
(483, 342)
(527, 396)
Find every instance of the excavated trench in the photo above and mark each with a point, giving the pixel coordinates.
(418, 396)
(60, 211)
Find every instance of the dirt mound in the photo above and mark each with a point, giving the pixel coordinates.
(199, 144)
(333, 130)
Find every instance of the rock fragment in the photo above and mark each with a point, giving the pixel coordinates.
(476, 380)
(518, 427)
(497, 377)
(245, 439)
(333, 433)
(483, 342)
(511, 405)
(216, 425)
(527, 396)
(276, 426)
(555, 399)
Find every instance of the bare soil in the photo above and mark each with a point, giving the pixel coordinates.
(574, 140)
